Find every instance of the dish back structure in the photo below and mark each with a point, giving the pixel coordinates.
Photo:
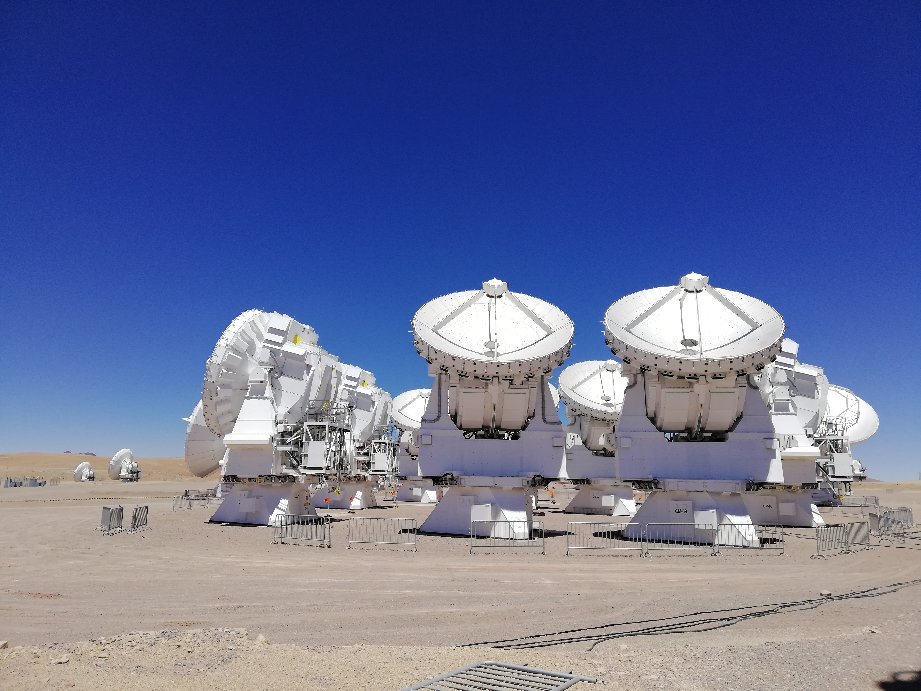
(277, 410)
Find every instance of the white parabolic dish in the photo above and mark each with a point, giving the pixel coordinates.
(227, 370)
(118, 461)
(203, 448)
(409, 407)
(81, 470)
(492, 332)
(860, 420)
(594, 388)
(693, 328)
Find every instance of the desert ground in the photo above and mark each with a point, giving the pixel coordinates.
(187, 604)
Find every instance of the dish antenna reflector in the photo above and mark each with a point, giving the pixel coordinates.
(492, 332)
(849, 415)
(691, 344)
(123, 467)
(593, 392)
(693, 328)
(84, 472)
(235, 357)
(203, 448)
(494, 349)
(409, 407)
(594, 389)
(407, 413)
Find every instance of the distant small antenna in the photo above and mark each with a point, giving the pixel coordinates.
(123, 467)
(84, 472)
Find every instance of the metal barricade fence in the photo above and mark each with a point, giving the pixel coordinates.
(191, 497)
(504, 533)
(688, 537)
(138, 518)
(383, 531)
(843, 538)
(111, 520)
(892, 522)
(830, 538)
(746, 536)
(590, 535)
(903, 515)
(301, 529)
(855, 501)
(858, 535)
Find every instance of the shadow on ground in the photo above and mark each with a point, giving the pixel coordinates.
(901, 681)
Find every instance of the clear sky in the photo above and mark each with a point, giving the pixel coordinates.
(167, 165)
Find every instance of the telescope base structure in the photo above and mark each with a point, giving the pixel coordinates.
(252, 503)
(604, 498)
(352, 495)
(502, 503)
(419, 490)
(733, 514)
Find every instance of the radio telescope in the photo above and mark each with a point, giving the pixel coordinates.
(593, 393)
(277, 411)
(408, 409)
(847, 420)
(367, 449)
(84, 472)
(816, 420)
(490, 428)
(848, 415)
(123, 467)
(693, 421)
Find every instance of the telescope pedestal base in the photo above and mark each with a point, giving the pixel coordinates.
(352, 495)
(604, 499)
(248, 503)
(423, 491)
(732, 514)
(461, 505)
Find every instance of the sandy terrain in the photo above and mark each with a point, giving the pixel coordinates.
(61, 465)
(183, 605)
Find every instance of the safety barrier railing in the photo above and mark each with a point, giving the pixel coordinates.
(303, 529)
(842, 539)
(600, 536)
(830, 538)
(756, 537)
(858, 535)
(686, 537)
(892, 522)
(702, 538)
(854, 501)
(111, 520)
(383, 531)
(502, 534)
(138, 519)
(192, 497)
(24, 482)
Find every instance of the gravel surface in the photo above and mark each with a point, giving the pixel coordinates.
(383, 618)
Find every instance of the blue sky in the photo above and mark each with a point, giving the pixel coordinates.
(164, 167)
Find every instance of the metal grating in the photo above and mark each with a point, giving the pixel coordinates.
(493, 676)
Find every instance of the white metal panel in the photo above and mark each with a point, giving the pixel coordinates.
(514, 409)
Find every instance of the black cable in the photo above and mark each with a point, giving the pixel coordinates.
(583, 635)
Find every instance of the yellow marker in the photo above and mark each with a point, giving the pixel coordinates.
(297, 339)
